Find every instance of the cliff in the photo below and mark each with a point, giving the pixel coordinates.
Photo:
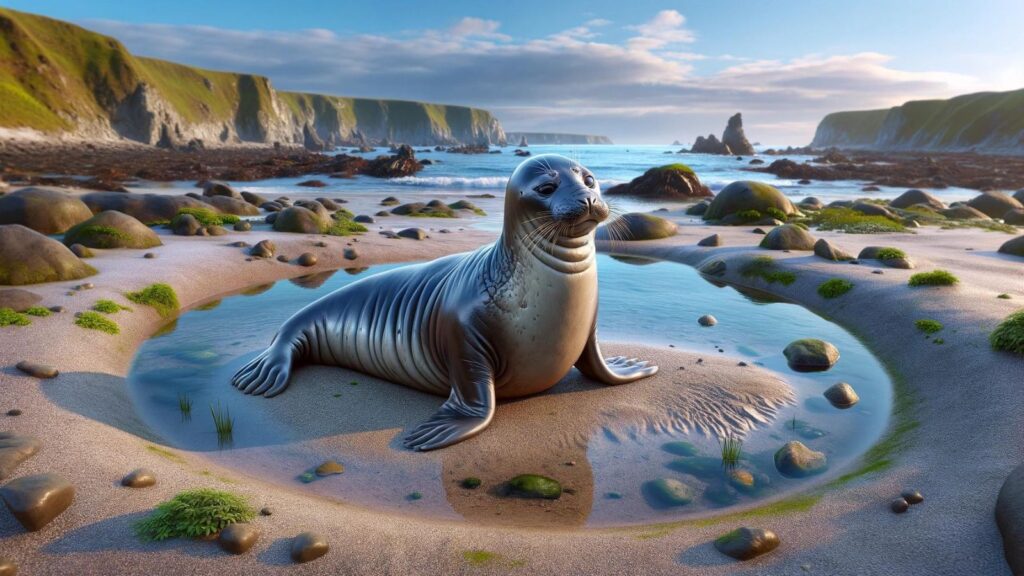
(61, 80)
(989, 122)
(556, 138)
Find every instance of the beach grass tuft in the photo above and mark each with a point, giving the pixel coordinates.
(1009, 335)
(159, 296)
(732, 451)
(194, 514)
(95, 321)
(933, 278)
(834, 288)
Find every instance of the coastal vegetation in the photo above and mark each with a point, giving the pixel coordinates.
(853, 222)
(1009, 335)
(763, 267)
(161, 297)
(206, 217)
(194, 514)
(96, 321)
(834, 288)
(8, 317)
(933, 278)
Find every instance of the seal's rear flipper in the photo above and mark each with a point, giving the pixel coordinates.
(266, 374)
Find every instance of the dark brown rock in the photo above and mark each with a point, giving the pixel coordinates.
(670, 182)
(14, 450)
(37, 370)
(36, 500)
(45, 210)
(139, 478)
(18, 300)
(307, 259)
(28, 257)
(238, 538)
(746, 543)
(308, 546)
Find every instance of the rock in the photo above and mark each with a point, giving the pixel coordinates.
(312, 183)
(746, 195)
(112, 229)
(234, 206)
(139, 478)
(350, 254)
(37, 370)
(238, 538)
(698, 209)
(8, 567)
(216, 230)
(901, 263)
(1014, 217)
(28, 257)
(185, 225)
(811, 355)
(963, 212)
(307, 259)
(535, 486)
(734, 138)
(14, 412)
(795, 460)
(390, 201)
(81, 251)
(841, 395)
(308, 546)
(413, 233)
(669, 182)
(239, 244)
(45, 210)
(746, 543)
(1010, 518)
(329, 204)
(218, 188)
(713, 240)
(14, 450)
(242, 226)
(707, 320)
(788, 237)
(146, 208)
(714, 268)
(637, 226)
(329, 468)
(382, 214)
(18, 300)
(899, 506)
(266, 511)
(263, 249)
(271, 206)
(994, 204)
(269, 219)
(871, 209)
(824, 249)
(668, 492)
(709, 145)
(912, 497)
(282, 258)
(299, 220)
(914, 197)
(253, 198)
(364, 219)
(1014, 247)
(36, 500)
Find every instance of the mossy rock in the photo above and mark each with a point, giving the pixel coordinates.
(788, 237)
(637, 226)
(916, 197)
(213, 188)
(28, 257)
(795, 460)
(1014, 247)
(229, 205)
(963, 212)
(667, 493)
(535, 486)
(432, 209)
(994, 204)
(146, 208)
(299, 220)
(811, 355)
(748, 195)
(45, 210)
(112, 229)
(1014, 217)
(669, 182)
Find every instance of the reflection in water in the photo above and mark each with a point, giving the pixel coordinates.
(609, 440)
(313, 281)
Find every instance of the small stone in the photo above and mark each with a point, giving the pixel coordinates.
(414, 496)
(81, 251)
(266, 511)
(329, 468)
(746, 543)
(535, 486)
(37, 370)
(742, 364)
(758, 231)
(707, 320)
(912, 497)
(85, 286)
(14, 412)
(320, 244)
(238, 538)
(263, 249)
(413, 233)
(795, 460)
(713, 240)
(243, 226)
(350, 254)
(57, 309)
(36, 500)
(307, 259)
(471, 482)
(878, 272)
(741, 480)
(8, 567)
(899, 506)
(139, 478)
(149, 255)
(364, 219)
(239, 244)
(216, 231)
(14, 450)
(842, 395)
(308, 546)
(282, 258)
(811, 355)
(613, 496)
(669, 492)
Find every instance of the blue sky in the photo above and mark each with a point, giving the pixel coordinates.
(638, 71)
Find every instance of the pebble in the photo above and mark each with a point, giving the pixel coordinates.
(912, 497)
(238, 538)
(308, 546)
(149, 255)
(37, 370)
(747, 543)
(899, 506)
(877, 272)
(282, 258)
(471, 482)
(8, 567)
(320, 244)
(14, 412)
(329, 468)
(36, 500)
(14, 450)
(266, 511)
(707, 320)
(351, 254)
(57, 309)
(239, 244)
(85, 286)
(307, 259)
(139, 478)
(842, 395)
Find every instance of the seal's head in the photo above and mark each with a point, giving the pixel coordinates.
(555, 194)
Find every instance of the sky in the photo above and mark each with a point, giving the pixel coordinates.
(638, 71)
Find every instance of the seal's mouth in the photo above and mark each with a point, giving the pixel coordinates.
(581, 227)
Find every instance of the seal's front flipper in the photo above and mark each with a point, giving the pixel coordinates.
(467, 411)
(266, 374)
(614, 370)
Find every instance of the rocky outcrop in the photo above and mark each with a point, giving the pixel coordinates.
(710, 145)
(555, 138)
(669, 182)
(28, 257)
(734, 138)
(45, 210)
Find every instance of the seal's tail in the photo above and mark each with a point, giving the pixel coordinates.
(266, 374)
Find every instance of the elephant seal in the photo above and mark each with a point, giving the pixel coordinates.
(506, 320)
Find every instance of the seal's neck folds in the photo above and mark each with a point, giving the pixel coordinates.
(540, 239)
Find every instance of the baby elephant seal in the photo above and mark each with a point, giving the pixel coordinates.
(507, 320)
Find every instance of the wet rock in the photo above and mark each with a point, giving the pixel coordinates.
(308, 546)
(218, 188)
(364, 219)
(798, 461)
(272, 207)
(745, 195)
(14, 450)
(28, 257)
(788, 237)
(43, 209)
(390, 201)
(714, 268)
(747, 543)
(713, 240)
(282, 258)
(149, 255)
(811, 355)
(266, 511)
(313, 183)
(36, 500)
(668, 492)
(915, 197)
(146, 208)
(899, 506)
(698, 209)
(85, 286)
(239, 244)
(669, 182)
(139, 478)
(307, 259)
(37, 370)
(912, 497)
(253, 198)
(1014, 247)
(112, 229)
(413, 233)
(871, 209)
(637, 226)
(263, 249)
(243, 226)
(994, 204)
(382, 214)
(964, 212)
(535, 486)
(234, 206)
(742, 480)
(760, 231)
(81, 251)
(57, 309)
(350, 254)
(216, 230)
(238, 538)
(707, 320)
(329, 468)
(390, 234)
(824, 249)
(18, 300)
(841, 395)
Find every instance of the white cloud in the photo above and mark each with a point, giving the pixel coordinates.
(665, 29)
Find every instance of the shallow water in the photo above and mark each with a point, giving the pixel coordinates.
(656, 303)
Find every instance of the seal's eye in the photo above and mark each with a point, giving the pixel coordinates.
(546, 189)
(588, 179)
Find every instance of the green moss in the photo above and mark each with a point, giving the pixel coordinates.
(207, 216)
(193, 514)
(159, 296)
(853, 222)
(677, 167)
(776, 213)
(891, 254)
(482, 558)
(96, 236)
(8, 317)
(933, 278)
(928, 326)
(748, 215)
(1009, 335)
(38, 311)
(414, 496)
(343, 227)
(1004, 296)
(764, 267)
(792, 505)
(94, 321)
(834, 288)
(108, 307)
(471, 482)
(535, 486)
(164, 453)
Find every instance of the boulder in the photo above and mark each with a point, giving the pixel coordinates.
(263, 249)
(824, 249)
(112, 229)
(413, 233)
(734, 138)
(300, 220)
(669, 182)
(637, 226)
(964, 212)
(994, 204)
(747, 543)
(45, 210)
(713, 240)
(36, 500)
(841, 395)
(871, 209)
(746, 195)
(238, 538)
(698, 209)
(146, 208)
(18, 300)
(315, 207)
(81, 251)
(788, 237)
(915, 197)
(328, 204)
(28, 257)
(308, 546)
(1019, 195)
(307, 259)
(1013, 247)
(229, 205)
(271, 206)
(14, 450)
(185, 225)
(364, 219)
(242, 226)
(253, 198)
(1010, 519)
(810, 355)
(218, 188)
(1014, 217)
(794, 460)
